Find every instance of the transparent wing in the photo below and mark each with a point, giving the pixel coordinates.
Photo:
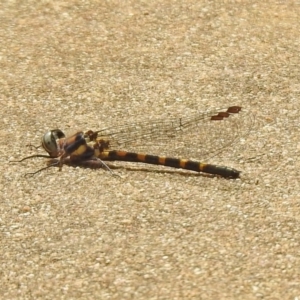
(192, 136)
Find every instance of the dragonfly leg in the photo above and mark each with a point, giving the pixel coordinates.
(40, 170)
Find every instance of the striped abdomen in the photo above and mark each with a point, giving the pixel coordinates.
(170, 162)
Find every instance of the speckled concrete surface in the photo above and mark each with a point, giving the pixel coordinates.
(151, 233)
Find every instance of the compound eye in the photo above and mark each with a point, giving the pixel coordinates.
(58, 134)
(49, 141)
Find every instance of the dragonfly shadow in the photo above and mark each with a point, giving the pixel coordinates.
(92, 165)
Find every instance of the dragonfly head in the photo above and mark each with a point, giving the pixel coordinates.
(49, 141)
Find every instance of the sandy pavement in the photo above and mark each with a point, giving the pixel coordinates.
(151, 232)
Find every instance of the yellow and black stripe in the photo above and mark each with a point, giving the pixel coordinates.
(170, 162)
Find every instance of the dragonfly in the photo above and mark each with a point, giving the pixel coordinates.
(93, 148)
